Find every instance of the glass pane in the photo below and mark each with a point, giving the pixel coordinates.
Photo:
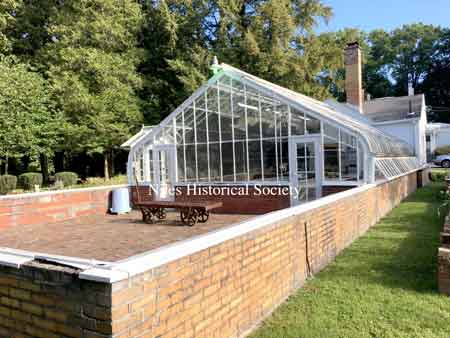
(283, 157)
(190, 163)
(297, 122)
(214, 161)
(361, 162)
(301, 164)
(254, 151)
(150, 165)
(331, 159)
(180, 163)
(268, 119)
(282, 116)
(179, 128)
(240, 149)
(225, 115)
(253, 116)
(200, 116)
(202, 162)
(227, 161)
(312, 125)
(239, 117)
(330, 131)
(270, 160)
(300, 150)
(309, 149)
(311, 164)
(213, 117)
(189, 125)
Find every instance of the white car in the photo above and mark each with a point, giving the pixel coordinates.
(442, 161)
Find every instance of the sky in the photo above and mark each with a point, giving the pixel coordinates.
(387, 14)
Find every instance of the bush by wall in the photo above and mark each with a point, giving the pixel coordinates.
(27, 181)
(442, 150)
(68, 178)
(8, 183)
(438, 175)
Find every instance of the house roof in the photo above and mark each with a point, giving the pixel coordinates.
(394, 108)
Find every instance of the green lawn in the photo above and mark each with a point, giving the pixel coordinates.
(383, 285)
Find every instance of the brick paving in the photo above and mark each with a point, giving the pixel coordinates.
(108, 237)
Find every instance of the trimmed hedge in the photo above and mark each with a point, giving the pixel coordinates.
(68, 178)
(8, 183)
(27, 181)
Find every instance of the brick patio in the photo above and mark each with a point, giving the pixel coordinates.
(107, 237)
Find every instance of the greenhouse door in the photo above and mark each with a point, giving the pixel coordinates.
(164, 160)
(305, 173)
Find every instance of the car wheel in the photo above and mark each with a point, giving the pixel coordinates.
(446, 164)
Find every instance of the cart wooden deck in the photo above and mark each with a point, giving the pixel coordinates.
(190, 212)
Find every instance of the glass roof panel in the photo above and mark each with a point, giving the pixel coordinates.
(396, 166)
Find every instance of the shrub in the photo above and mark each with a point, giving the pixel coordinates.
(439, 176)
(8, 183)
(442, 150)
(28, 180)
(68, 178)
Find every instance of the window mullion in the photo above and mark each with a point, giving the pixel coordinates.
(207, 136)
(184, 144)
(232, 130)
(220, 133)
(246, 131)
(195, 142)
(261, 137)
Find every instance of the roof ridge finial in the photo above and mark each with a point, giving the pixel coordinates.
(215, 61)
(215, 67)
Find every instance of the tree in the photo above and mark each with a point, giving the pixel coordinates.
(404, 54)
(267, 38)
(29, 124)
(436, 85)
(7, 19)
(92, 62)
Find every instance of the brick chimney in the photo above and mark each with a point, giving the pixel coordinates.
(353, 75)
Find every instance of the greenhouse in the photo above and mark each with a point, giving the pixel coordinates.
(238, 129)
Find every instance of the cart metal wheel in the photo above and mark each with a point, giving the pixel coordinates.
(203, 216)
(160, 213)
(189, 216)
(147, 216)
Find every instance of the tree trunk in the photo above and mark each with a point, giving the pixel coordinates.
(58, 161)
(106, 165)
(6, 165)
(111, 163)
(43, 159)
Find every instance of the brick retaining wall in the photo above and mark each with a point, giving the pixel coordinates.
(54, 206)
(48, 301)
(223, 290)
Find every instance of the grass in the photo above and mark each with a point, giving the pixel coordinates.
(383, 285)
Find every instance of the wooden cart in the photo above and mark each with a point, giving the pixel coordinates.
(190, 212)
